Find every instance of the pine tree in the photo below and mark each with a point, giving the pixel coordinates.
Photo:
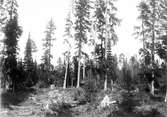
(2, 23)
(3, 16)
(143, 35)
(149, 31)
(82, 27)
(154, 21)
(12, 32)
(29, 65)
(105, 23)
(68, 35)
(67, 62)
(21, 74)
(99, 26)
(46, 58)
(11, 6)
(162, 45)
(28, 60)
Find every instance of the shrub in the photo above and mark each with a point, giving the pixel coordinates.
(128, 103)
(91, 89)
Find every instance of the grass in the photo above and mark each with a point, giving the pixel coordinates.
(24, 106)
(8, 98)
(153, 107)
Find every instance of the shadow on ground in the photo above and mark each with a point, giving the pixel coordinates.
(8, 98)
(153, 113)
(127, 108)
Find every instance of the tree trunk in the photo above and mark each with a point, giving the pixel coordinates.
(152, 87)
(166, 83)
(98, 78)
(90, 73)
(65, 78)
(112, 83)
(72, 83)
(78, 79)
(13, 87)
(105, 83)
(166, 96)
(84, 70)
(152, 50)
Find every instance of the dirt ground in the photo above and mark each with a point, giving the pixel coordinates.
(30, 103)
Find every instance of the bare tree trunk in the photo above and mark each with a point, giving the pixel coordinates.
(166, 96)
(105, 45)
(152, 87)
(105, 83)
(65, 78)
(72, 83)
(98, 78)
(166, 83)
(13, 87)
(152, 50)
(112, 83)
(84, 70)
(78, 79)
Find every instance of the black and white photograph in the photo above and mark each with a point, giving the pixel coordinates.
(83, 58)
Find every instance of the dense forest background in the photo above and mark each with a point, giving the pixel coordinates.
(100, 70)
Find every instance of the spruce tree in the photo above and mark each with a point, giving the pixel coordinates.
(149, 31)
(68, 36)
(12, 32)
(142, 34)
(46, 58)
(82, 27)
(162, 45)
(3, 16)
(105, 23)
(28, 60)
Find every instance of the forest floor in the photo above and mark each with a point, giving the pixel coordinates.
(32, 103)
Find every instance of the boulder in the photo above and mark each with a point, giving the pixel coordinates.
(106, 102)
(52, 86)
(51, 108)
(54, 94)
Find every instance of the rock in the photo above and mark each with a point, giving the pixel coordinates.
(52, 86)
(54, 94)
(106, 102)
(81, 108)
(3, 112)
(166, 97)
(33, 98)
(51, 108)
(144, 108)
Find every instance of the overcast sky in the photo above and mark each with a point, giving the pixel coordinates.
(35, 14)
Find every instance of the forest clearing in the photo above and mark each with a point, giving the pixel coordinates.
(72, 102)
(87, 79)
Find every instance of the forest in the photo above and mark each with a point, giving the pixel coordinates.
(94, 83)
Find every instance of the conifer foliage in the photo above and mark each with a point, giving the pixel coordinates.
(29, 64)
(46, 58)
(12, 32)
(82, 27)
(149, 33)
(28, 60)
(105, 21)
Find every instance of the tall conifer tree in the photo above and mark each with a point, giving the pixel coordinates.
(46, 58)
(12, 32)
(149, 31)
(82, 27)
(68, 35)
(105, 23)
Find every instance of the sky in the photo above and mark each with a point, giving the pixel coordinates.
(35, 14)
